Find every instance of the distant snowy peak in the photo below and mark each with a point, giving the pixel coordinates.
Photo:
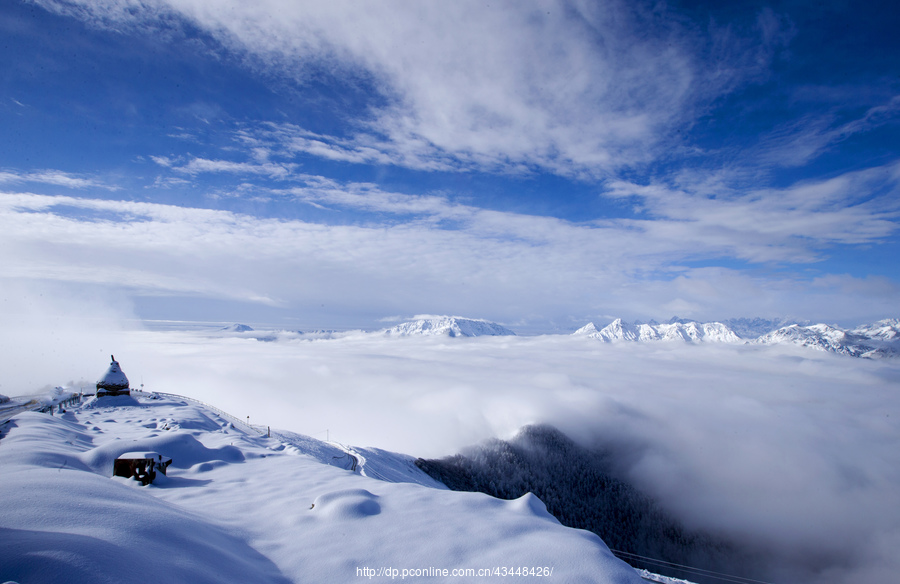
(451, 326)
(884, 330)
(237, 328)
(877, 340)
(587, 330)
(821, 337)
(752, 328)
(675, 330)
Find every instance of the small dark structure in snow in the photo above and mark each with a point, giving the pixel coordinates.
(114, 382)
(141, 465)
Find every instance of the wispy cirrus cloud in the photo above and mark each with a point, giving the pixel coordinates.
(694, 215)
(204, 165)
(573, 88)
(290, 140)
(782, 225)
(787, 224)
(432, 255)
(55, 178)
(606, 93)
(195, 166)
(802, 140)
(369, 197)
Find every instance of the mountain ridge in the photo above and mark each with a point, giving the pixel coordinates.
(873, 340)
(675, 330)
(451, 326)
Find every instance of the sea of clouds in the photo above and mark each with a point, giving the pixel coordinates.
(790, 449)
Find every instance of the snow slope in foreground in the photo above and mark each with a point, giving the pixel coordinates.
(237, 507)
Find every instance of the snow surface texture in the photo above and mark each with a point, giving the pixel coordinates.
(451, 326)
(237, 507)
(876, 340)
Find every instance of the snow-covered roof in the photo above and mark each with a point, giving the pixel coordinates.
(114, 377)
(143, 455)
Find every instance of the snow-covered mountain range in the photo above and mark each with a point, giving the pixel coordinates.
(675, 330)
(451, 326)
(237, 328)
(752, 328)
(875, 340)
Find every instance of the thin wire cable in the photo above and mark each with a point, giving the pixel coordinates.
(691, 569)
(697, 571)
(692, 574)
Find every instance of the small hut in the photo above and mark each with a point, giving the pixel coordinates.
(114, 382)
(141, 465)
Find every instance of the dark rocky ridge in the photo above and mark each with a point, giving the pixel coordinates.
(579, 488)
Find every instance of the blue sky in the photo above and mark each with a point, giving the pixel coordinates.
(540, 164)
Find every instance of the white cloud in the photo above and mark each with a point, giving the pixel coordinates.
(368, 197)
(429, 256)
(55, 178)
(197, 166)
(163, 161)
(168, 182)
(291, 139)
(789, 224)
(572, 87)
(800, 141)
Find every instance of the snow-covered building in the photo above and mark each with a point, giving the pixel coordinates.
(114, 381)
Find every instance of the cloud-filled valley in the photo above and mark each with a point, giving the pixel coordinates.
(783, 447)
